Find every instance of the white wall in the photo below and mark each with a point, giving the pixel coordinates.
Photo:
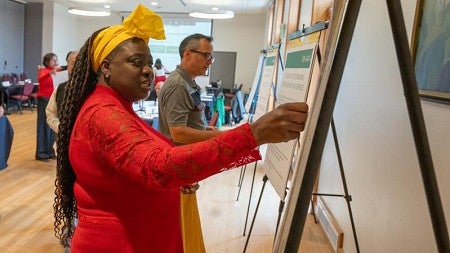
(377, 147)
(47, 29)
(88, 25)
(243, 34)
(64, 33)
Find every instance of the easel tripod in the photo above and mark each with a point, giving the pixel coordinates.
(289, 241)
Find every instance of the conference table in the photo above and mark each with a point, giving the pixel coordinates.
(6, 91)
(148, 111)
(6, 139)
(14, 89)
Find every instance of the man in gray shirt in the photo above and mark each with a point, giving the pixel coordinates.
(182, 119)
(181, 112)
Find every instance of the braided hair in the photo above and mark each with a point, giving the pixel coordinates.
(82, 83)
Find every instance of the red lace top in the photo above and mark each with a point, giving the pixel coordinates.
(128, 176)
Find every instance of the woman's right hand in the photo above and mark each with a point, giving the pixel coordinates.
(282, 124)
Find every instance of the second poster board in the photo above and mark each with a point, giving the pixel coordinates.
(295, 82)
(266, 83)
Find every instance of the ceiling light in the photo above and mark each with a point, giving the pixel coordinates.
(154, 3)
(218, 14)
(94, 13)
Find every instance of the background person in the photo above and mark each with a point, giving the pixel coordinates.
(181, 111)
(158, 87)
(44, 134)
(55, 101)
(160, 71)
(182, 119)
(120, 175)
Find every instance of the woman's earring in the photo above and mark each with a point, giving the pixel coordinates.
(107, 76)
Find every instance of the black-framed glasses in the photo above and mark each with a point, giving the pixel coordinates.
(208, 56)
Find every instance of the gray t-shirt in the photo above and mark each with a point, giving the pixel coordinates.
(179, 103)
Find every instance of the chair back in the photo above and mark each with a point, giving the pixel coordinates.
(23, 77)
(6, 77)
(28, 88)
(14, 78)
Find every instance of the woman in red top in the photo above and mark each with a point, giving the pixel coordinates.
(45, 135)
(117, 174)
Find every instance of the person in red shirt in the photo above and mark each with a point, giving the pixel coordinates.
(118, 175)
(45, 135)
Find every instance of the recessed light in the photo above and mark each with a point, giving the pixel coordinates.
(219, 14)
(154, 3)
(93, 13)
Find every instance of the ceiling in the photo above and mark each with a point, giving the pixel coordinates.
(172, 6)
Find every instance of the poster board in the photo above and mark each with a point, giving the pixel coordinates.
(265, 86)
(294, 214)
(255, 87)
(294, 87)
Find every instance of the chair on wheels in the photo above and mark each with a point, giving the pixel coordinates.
(23, 96)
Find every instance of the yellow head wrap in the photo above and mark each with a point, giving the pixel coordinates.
(142, 23)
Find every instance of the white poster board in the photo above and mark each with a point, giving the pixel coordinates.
(265, 85)
(294, 87)
(256, 82)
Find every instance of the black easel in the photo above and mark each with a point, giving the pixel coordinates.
(346, 195)
(250, 120)
(278, 46)
(304, 32)
(416, 120)
(348, 198)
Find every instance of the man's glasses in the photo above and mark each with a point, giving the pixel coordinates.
(208, 56)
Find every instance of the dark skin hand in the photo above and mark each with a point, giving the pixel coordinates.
(281, 124)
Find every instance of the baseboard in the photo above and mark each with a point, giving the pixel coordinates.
(330, 226)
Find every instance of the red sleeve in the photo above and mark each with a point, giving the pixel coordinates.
(43, 72)
(122, 142)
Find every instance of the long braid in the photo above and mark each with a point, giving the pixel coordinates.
(81, 84)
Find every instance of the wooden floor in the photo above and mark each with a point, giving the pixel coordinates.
(26, 199)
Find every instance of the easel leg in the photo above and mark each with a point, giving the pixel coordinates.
(313, 212)
(241, 179)
(241, 174)
(347, 197)
(250, 198)
(256, 211)
(280, 211)
(418, 125)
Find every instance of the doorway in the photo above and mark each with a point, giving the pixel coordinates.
(223, 69)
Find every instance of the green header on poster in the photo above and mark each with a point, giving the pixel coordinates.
(270, 61)
(299, 59)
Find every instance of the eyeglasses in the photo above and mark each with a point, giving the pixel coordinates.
(208, 56)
